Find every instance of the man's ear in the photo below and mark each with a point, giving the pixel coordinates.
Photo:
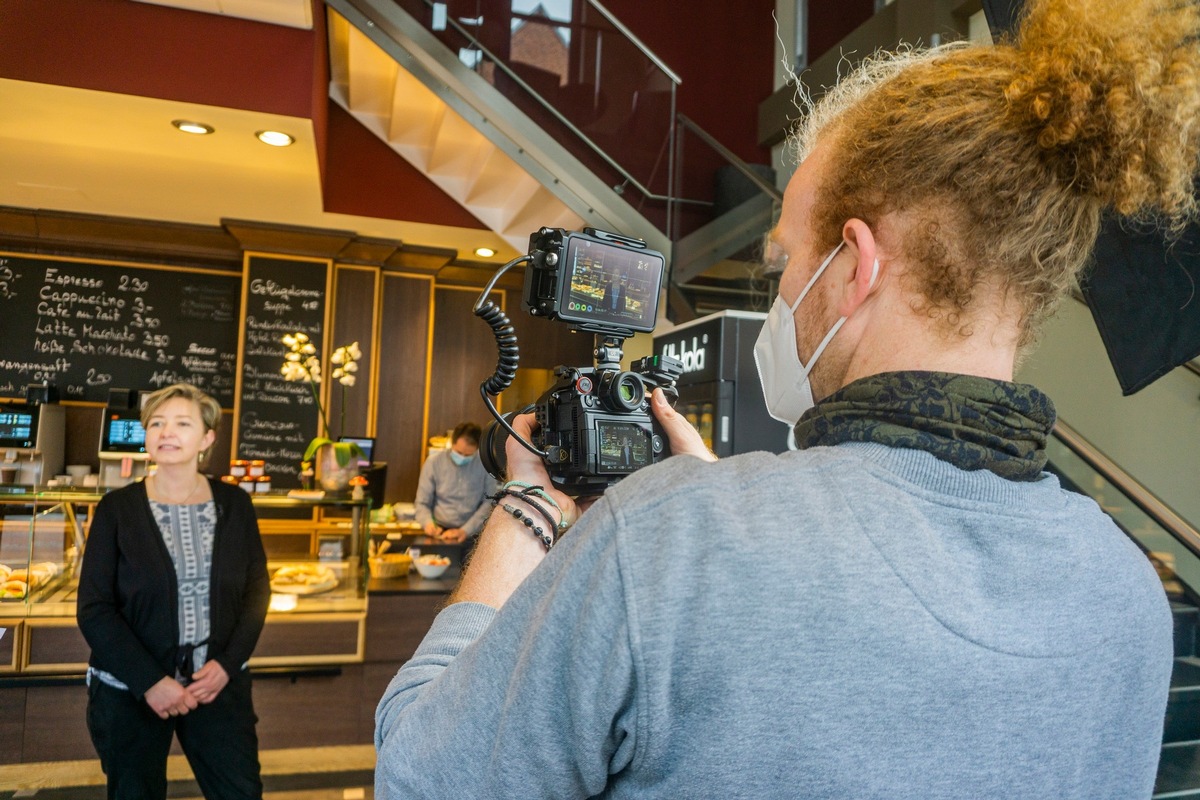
(859, 281)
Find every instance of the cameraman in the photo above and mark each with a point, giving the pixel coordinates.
(909, 606)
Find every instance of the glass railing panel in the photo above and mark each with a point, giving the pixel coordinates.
(584, 80)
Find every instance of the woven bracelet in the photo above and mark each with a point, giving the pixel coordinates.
(543, 537)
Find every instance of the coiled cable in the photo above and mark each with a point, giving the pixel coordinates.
(509, 353)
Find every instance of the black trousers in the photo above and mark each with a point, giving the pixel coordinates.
(218, 740)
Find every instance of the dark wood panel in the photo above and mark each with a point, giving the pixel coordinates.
(310, 712)
(12, 724)
(464, 355)
(403, 351)
(8, 642)
(308, 638)
(56, 644)
(56, 724)
(396, 624)
(545, 344)
(353, 317)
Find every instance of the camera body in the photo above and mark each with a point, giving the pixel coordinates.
(594, 425)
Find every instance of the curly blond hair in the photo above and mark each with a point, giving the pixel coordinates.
(1000, 159)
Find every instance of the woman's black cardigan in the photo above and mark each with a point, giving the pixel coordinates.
(127, 604)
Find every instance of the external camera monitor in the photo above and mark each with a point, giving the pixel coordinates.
(365, 443)
(18, 426)
(609, 284)
(122, 432)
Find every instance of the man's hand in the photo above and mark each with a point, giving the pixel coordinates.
(168, 698)
(207, 682)
(685, 440)
(432, 529)
(453, 535)
(508, 551)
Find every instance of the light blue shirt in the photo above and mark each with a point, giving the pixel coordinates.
(454, 496)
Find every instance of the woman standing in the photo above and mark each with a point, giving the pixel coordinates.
(172, 598)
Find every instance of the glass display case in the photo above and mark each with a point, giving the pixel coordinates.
(320, 582)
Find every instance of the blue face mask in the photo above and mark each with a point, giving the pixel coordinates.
(460, 459)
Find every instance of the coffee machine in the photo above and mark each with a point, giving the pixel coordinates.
(32, 436)
(123, 456)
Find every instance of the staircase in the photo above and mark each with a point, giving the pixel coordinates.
(410, 90)
(1179, 766)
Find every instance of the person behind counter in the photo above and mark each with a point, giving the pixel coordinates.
(452, 491)
(909, 606)
(172, 598)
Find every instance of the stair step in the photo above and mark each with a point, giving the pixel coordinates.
(1178, 771)
(1185, 618)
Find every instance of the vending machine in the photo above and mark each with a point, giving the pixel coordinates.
(719, 391)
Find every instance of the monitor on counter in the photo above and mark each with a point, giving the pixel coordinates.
(122, 433)
(18, 426)
(365, 443)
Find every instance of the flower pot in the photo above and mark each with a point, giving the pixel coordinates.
(331, 476)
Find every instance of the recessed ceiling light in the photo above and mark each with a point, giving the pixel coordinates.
(187, 126)
(484, 252)
(275, 138)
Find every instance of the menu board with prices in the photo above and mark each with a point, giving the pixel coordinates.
(276, 418)
(86, 327)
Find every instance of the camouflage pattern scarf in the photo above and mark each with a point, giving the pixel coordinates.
(974, 423)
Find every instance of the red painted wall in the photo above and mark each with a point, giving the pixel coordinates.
(156, 51)
(365, 177)
(723, 51)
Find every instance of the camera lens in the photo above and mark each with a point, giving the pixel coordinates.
(622, 391)
(491, 448)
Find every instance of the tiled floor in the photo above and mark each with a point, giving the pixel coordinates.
(320, 773)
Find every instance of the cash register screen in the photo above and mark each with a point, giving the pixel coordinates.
(123, 432)
(18, 426)
(366, 443)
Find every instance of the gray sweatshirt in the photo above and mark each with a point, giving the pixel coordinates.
(844, 622)
(454, 496)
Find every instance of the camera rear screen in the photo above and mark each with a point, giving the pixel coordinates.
(624, 446)
(611, 284)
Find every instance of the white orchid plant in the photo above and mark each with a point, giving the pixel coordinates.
(303, 364)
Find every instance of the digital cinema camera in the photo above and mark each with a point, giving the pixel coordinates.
(594, 425)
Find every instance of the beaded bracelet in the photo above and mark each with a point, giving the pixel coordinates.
(543, 537)
(530, 488)
(525, 498)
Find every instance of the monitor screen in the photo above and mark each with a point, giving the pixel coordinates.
(18, 426)
(611, 285)
(122, 431)
(624, 446)
(366, 443)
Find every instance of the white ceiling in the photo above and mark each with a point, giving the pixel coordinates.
(85, 151)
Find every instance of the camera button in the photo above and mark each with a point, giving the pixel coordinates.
(656, 443)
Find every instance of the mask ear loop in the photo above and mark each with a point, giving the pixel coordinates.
(791, 441)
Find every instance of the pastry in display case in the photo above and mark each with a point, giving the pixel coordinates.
(40, 547)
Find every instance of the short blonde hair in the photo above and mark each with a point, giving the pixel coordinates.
(210, 409)
(999, 161)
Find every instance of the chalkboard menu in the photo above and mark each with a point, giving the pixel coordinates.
(276, 419)
(86, 327)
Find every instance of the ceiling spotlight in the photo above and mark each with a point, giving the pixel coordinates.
(484, 252)
(275, 138)
(187, 126)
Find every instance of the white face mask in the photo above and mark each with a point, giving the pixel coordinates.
(785, 384)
